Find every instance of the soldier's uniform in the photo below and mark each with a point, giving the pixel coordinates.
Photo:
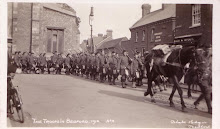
(141, 68)
(83, 63)
(112, 72)
(123, 66)
(54, 60)
(88, 65)
(17, 60)
(67, 64)
(59, 64)
(77, 70)
(24, 62)
(101, 65)
(73, 63)
(135, 72)
(93, 67)
(204, 80)
(43, 62)
(31, 62)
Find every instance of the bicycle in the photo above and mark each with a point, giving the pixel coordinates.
(14, 100)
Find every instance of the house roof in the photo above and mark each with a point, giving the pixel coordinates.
(103, 41)
(167, 12)
(58, 8)
(127, 45)
(112, 43)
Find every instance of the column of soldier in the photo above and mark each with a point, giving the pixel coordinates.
(96, 66)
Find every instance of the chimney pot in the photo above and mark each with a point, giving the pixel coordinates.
(145, 9)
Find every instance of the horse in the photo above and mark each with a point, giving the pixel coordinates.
(173, 69)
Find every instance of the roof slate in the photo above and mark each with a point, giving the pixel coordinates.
(112, 43)
(169, 11)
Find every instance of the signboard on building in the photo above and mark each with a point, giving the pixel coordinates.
(158, 37)
(188, 40)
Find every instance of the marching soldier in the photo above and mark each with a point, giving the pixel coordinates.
(93, 67)
(135, 70)
(43, 62)
(77, 61)
(83, 63)
(59, 64)
(88, 65)
(204, 78)
(54, 59)
(112, 65)
(31, 62)
(24, 62)
(141, 69)
(17, 59)
(101, 66)
(73, 63)
(67, 64)
(123, 66)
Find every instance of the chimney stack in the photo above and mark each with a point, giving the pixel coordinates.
(100, 35)
(109, 33)
(164, 6)
(145, 9)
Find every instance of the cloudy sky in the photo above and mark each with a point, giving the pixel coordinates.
(118, 17)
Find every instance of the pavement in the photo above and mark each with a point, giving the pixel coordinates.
(72, 101)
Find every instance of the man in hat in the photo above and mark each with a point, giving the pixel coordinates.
(204, 78)
(93, 66)
(67, 64)
(97, 65)
(43, 62)
(123, 66)
(73, 63)
(59, 64)
(17, 59)
(135, 70)
(112, 65)
(83, 63)
(31, 62)
(24, 62)
(77, 61)
(88, 65)
(54, 59)
(101, 65)
(141, 68)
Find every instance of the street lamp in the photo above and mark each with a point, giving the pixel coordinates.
(91, 18)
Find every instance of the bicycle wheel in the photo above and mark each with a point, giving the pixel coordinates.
(18, 106)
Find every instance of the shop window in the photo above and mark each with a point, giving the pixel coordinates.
(196, 15)
(143, 34)
(152, 35)
(136, 37)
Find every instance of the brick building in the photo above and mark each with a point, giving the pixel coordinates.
(42, 27)
(193, 24)
(153, 28)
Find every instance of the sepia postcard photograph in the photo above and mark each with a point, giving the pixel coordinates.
(109, 64)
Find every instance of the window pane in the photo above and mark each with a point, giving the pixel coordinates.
(54, 43)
